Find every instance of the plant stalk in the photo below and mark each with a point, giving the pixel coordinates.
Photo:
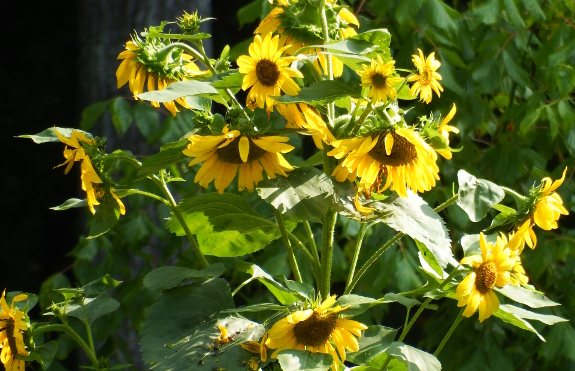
(312, 244)
(287, 243)
(329, 220)
(360, 236)
(68, 330)
(448, 335)
(314, 264)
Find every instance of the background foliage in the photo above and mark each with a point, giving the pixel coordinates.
(508, 65)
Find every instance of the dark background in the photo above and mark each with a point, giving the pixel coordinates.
(61, 58)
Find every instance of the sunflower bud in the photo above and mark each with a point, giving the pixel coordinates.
(189, 23)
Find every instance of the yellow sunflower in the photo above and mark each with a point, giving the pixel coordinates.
(11, 339)
(132, 70)
(303, 116)
(223, 155)
(400, 156)
(445, 129)
(427, 77)
(548, 208)
(266, 72)
(377, 77)
(490, 269)
(317, 330)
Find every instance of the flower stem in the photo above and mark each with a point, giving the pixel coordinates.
(287, 243)
(88, 329)
(312, 244)
(361, 119)
(513, 193)
(161, 183)
(360, 235)
(329, 220)
(448, 335)
(325, 32)
(68, 330)
(389, 243)
(151, 195)
(314, 264)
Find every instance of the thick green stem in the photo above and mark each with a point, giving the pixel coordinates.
(329, 59)
(362, 118)
(513, 193)
(360, 235)
(329, 220)
(174, 207)
(314, 264)
(448, 335)
(88, 329)
(287, 243)
(151, 195)
(68, 330)
(389, 243)
(312, 244)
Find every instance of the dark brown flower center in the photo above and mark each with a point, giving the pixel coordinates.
(402, 152)
(316, 330)
(10, 335)
(378, 80)
(485, 277)
(231, 152)
(268, 72)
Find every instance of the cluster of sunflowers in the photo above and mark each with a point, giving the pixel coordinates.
(377, 151)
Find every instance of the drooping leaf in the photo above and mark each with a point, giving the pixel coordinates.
(304, 360)
(161, 160)
(49, 135)
(531, 298)
(516, 321)
(164, 278)
(357, 304)
(282, 293)
(525, 314)
(373, 342)
(177, 90)
(428, 260)
(305, 194)
(477, 196)
(71, 203)
(405, 301)
(24, 305)
(314, 160)
(415, 359)
(320, 93)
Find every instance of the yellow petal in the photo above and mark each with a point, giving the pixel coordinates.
(244, 147)
(388, 143)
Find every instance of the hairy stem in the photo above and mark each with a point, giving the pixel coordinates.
(329, 220)
(361, 119)
(448, 335)
(360, 235)
(287, 243)
(314, 264)
(68, 330)
(312, 244)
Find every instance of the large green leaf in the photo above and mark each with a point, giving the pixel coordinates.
(516, 321)
(121, 112)
(378, 37)
(164, 278)
(531, 298)
(177, 315)
(300, 360)
(91, 114)
(44, 354)
(147, 119)
(179, 89)
(356, 304)
(415, 359)
(49, 135)
(477, 196)
(305, 194)
(320, 93)
(410, 215)
(94, 308)
(161, 160)
(282, 293)
(225, 224)
(373, 342)
(525, 314)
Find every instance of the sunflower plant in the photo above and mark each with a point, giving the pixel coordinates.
(240, 182)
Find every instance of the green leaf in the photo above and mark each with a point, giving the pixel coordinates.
(249, 13)
(49, 135)
(305, 290)
(437, 12)
(488, 12)
(44, 354)
(410, 215)
(300, 360)
(515, 70)
(179, 89)
(96, 287)
(229, 80)
(161, 160)
(257, 308)
(397, 298)
(525, 314)
(529, 120)
(380, 38)
(534, 10)
(25, 305)
(357, 304)
(563, 54)
(164, 278)
(121, 112)
(314, 160)
(374, 341)
(320, 93)
(407, 10)
(403, 94)
(414, 358)
(477, 196)
(225, 225)
(95, 308)
(177, 315)
(470, 243)
(516, 321)
(282, 293)
(514, 15)
(505, 215)
(147, 120)
(91, 114)
(531, 298)
(71, 203)
(305, 194)
(350, 45)
(107, 215)
(432, 265)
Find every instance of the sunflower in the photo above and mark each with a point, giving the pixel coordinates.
(266, 72)
(490, 269)
(399, 155)
(138, 65)
(377, 76)
(427, 77)
(303, 116)
(445, 129)
(223, 155)
(91, 182)
(11, 339)
(318, 330)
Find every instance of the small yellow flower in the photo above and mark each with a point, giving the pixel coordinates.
(399, 156)
(491, 268)
(223, 155)
(427, 77)
(445, 129)
(317, 330)
(266, 72)
(11, 338)
(306, 117)
(378, 77)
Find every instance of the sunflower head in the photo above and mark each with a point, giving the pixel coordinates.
(379, 78)
(12, 323)
(547, 205)
(426, 77)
